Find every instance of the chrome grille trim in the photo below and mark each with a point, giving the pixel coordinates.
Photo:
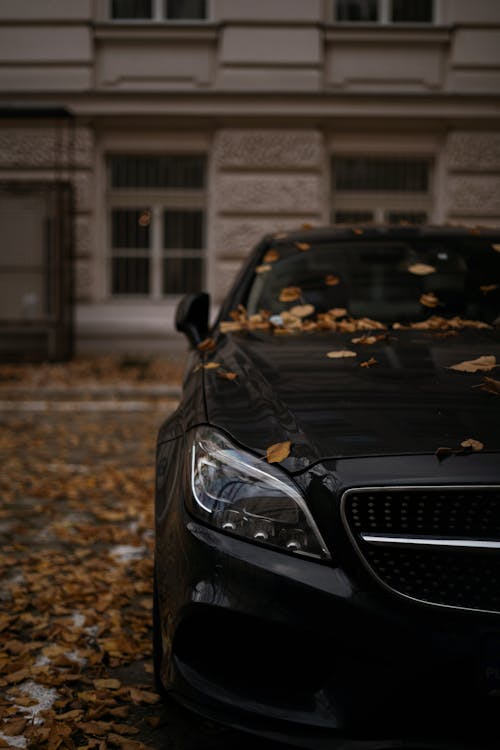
(402, 488)
(396, 540)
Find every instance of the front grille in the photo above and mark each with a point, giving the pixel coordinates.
(439, 545)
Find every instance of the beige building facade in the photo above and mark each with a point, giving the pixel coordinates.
(145, 145)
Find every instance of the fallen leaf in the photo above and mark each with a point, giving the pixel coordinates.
(421, 269)
(488, 288)
(107, 684)
(481, 364)
(143, 696)
(443, 453)
(369, 362)
(229, 326)
(211, 366)
(340, 354)
(303, 246)
(358, 231)
(338, 312)
(263, 269)
(332, 280)
(369, 339)
(14, 727)
(302, 311)
(474, 445)
(306, 225)
(280, 236)
(490, 385)
(206, 345)
(278, 452)
(496, 247)
(227, 375)
(429, 300)
(291, 321)
(271, 256)
(290, 294)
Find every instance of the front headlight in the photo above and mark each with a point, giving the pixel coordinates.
(242, 495)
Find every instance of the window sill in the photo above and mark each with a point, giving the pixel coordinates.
(387, 33)
(183, 30)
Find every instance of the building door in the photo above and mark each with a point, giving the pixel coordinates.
(35, 272)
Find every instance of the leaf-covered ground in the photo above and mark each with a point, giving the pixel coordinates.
(75, 588)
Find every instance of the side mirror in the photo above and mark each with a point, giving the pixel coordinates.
(192, 317)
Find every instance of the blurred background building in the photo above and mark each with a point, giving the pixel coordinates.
(146, 144)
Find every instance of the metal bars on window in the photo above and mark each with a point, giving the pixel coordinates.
(158, 10)
(157, 218)
(384, 11)
(383, 190)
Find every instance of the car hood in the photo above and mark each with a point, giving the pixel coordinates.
(408, 402)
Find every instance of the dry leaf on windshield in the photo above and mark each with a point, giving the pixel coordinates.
(338, 312)
(332, 280)
(429, 299)
(474, 445)
(280, 236)
(340, 354)
(369, 362)
(290, 293)
(302, 246)
(262, 269)
(206, 345)
(481, 364)
(302, 311)
(271, 256)
(278, 452)
(490, 385)
(488, 288)
(229, 326)
(227, 374)
(421, 269)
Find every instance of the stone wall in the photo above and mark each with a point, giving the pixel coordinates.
(264, 180)
(473, 177)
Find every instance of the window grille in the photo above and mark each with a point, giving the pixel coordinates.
(157, 224)
(159, 10)
(384, 11)
(384, 190)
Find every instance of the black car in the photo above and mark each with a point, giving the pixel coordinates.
(327, 566)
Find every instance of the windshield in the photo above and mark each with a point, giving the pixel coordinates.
(386, 280)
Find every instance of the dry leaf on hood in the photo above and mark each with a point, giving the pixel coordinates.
(271, 256)
(340, 354)
(481, 364)
(421, 269)
(302, 246)
(332, 280)
(280, 236)
(263, 269)
(490, 385)
(291, 321)
(369, 339)
(290, 293)
(443, 453)
(227, 375)
(474, 445)
(278, 452)
(302, 311)
(206, 345)
(488, 288)
(369, 362)
(429, 299)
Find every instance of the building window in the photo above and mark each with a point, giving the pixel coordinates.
(159, 10)
(157, 224)
(391, 190)
(384, 11)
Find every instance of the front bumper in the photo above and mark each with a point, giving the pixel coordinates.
(311, 654)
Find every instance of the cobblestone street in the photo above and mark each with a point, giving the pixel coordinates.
(76, 572)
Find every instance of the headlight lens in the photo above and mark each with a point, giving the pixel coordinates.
(242, 495)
